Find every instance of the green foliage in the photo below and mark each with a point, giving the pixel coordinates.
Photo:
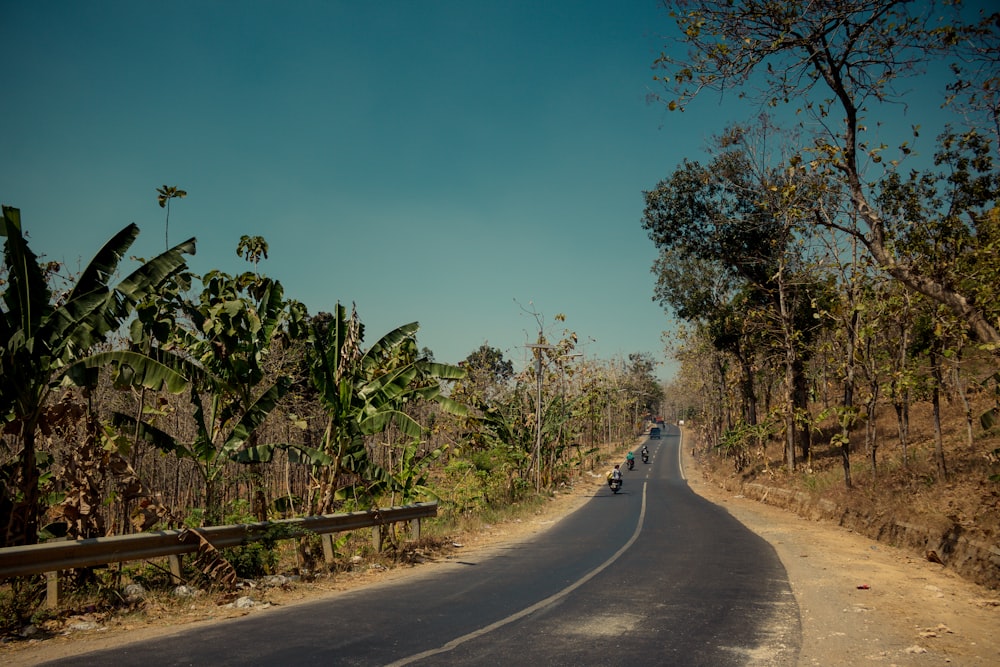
(840, 64)
(228, 333)
(47, 338)
(946, 221)
(363, 393)
(195, 517)
(252, 560)
(20, 600)
(496, 457)
(410, 475)
(740, 442)
(487, 376)
(485, 479)
(168, 192)
(252, 249)
(237, 511)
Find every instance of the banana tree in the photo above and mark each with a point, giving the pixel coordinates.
(226, 340)
(222, 432)
(46, 339)
(363, 393)
(503, 436)
(410, 473)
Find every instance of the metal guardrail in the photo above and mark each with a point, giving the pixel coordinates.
(54, 556)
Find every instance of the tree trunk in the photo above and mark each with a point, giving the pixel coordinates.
(790, 361)
(723, 423)
(964, 399)
(803, 436)
(936, 402)
(901, 397)
(848, 414)
(871, 428)
(258, 485)
(21, 525)
(749, 392)
(903, 427)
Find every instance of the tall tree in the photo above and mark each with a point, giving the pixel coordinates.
(487, 374)
(163, 197)
(707, 292)
(747, 218)
(841, 62)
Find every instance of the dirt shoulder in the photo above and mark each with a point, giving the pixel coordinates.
(860, 601)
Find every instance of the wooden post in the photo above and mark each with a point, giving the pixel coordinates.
(377, 538)
(175, 569)
(328, 552)
(414, 529)
(52, 589)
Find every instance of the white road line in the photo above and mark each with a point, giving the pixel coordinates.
(538, 605)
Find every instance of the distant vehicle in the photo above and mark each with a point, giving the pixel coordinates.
(654, 433)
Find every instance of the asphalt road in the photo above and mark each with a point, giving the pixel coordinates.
(654, 575)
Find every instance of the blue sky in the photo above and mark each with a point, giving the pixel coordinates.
(454, 163)
(457, 163)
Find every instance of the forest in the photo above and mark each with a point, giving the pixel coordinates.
(834, 270)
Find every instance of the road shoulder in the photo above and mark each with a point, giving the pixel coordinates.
(862, 601)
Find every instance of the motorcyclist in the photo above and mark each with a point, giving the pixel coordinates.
(615, 474)
(630, 458)
(645, 453)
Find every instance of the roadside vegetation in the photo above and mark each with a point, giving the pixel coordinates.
(173, 400)
(834, 268)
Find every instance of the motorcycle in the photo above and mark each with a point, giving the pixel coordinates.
(645, 456)
(631, 464)
(615, 484)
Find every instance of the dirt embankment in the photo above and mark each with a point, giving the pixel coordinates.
(944, 543)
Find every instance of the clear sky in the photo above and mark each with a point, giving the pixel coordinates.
(451, 162)
(459, 163)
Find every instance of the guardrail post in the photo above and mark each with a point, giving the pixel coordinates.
(377, 538)
(175, 569)
(328, 553)
(414, 529)
(52, 589)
